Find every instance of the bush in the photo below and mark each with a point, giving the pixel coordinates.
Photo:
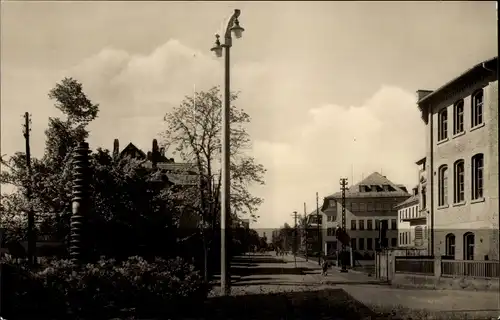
(59, 288)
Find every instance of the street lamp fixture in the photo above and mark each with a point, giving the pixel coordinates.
(217, 48)
(233, 27)
(237, 29)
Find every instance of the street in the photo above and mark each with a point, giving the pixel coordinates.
(266, 286)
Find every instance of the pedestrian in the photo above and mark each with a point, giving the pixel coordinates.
(324, 267)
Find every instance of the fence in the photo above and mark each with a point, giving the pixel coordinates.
(420, 266)
(474, 269)
(448, 268)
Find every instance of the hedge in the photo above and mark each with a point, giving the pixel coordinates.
(60, 289)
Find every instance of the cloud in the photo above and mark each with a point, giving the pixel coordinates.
(384, 134)
(146, 86)
(305, 145)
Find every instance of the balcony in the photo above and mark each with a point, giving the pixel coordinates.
(420, 214)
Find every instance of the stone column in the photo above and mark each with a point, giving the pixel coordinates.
(80, 202)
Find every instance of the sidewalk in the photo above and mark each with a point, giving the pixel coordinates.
(366, 290)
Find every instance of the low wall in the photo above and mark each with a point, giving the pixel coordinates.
(425, 273)
(403, 280)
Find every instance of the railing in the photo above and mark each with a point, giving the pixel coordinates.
(474, 269)
(421, 266)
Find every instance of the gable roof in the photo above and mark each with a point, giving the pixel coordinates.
(408, 202)
(373, 179)
(132, 147)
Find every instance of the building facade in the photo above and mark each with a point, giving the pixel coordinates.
(412, 223)
(314, 227)
(368, 203)
(461, 164)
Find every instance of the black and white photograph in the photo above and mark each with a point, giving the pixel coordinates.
(191, 160)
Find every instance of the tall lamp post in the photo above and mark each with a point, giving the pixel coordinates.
(233, 26)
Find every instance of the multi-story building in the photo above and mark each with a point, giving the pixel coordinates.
(314, 227)
(411, 223)
(462, 174)
(368, 203)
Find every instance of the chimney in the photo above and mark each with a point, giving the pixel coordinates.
(154, 154)
(155, 146)
(116, 148)
(415, 191)
(422, 94)
(162, 152)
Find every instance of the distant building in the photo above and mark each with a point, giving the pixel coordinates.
(367, 204)
(412, 227)
(462, 176)
(313, 234)
(170, 171)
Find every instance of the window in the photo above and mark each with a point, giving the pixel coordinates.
(406, 237)
(424, 197)
(370, 206)
(450, 245)
(459, 182)
(330, 232)
(361, 224)
(477, 108)
(369, 224)
(394, 242)
(361, 243)
(394, 224)
(443, 186)
(378, 206)
(329, 218)
(353, 224)
(419, 236)
(387, 207)
(458, 117)
(331, 203)
(477, 176)
(353, 243)
(354, 207)
(369, 244)
(400, 238)
(362, 207)
(377, 224)
(469, 246)
(443, 125)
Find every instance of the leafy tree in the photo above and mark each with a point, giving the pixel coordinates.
(131, 210)
(193, 130)
(51, 179)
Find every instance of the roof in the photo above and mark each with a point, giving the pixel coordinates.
(131, 146)
(177, 173)
(408, 202)
(469, 74)
(421, 161)
(373, 179)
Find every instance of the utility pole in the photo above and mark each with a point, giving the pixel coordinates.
(305, 228)
(320, 242)
(295, 240)
(29, 186)
(343, 183)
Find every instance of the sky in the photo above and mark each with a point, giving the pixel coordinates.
(330, 86)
